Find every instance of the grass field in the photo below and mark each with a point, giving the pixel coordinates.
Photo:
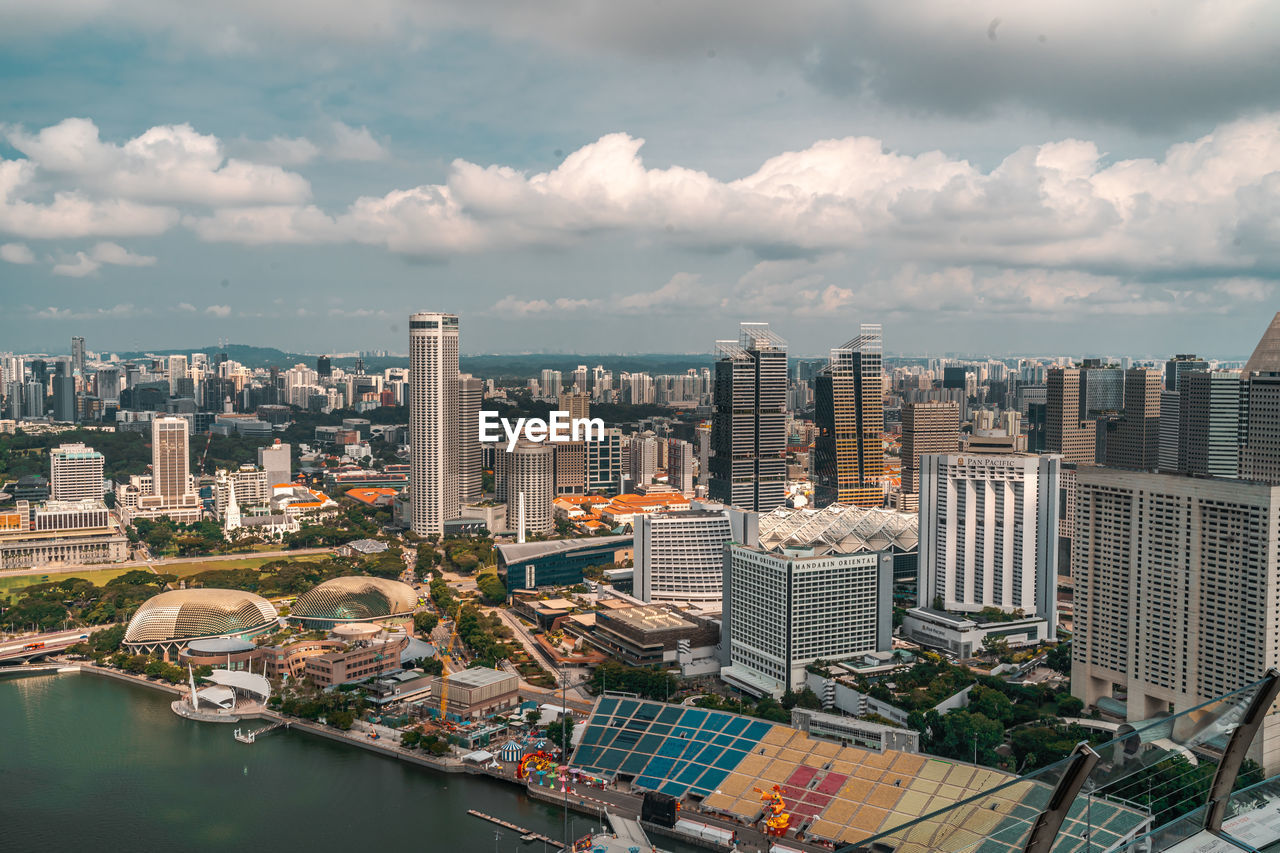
(14, 583)
(11, 585)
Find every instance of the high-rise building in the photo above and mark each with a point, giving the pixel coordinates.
(75, 473)
(931, 427)
(570, 461)
(578, 405)
(276, 460)
(849, 414)
(1065, 433)
(77, 356)
(680, 466)
(1101, 389)
(470, 469)
(324, 367)
(1136, 440)
(108, 379)
(1260, 452)
(644, 458)
(551, 384)
(748, 428)
(33, 404)
(527, 469)
(170, 458)
(1176, 580)
(1209, 423)
(604, 462)
(64, 399)
(177, 373)
(954, 377)
(1175, 367)
(433, 421)
(702, 438)
(989, 532)
(1170, 412)
(14, 392)
(679, 555)
(781, 611)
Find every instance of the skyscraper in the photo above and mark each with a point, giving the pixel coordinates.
(1209, 423)
(926, 428)
(849, 415)
(64, 399)
(577, 405)
(1260, 454)
(77, 356)
(170, 459)
(433, 421)
(527, 469)
(276, 460)
(1065, 433)
(1182, 363)
(324, 367)
(680, 466)
(177, 373)
(75, 473)
(470, 401)
(604, 462)
(748, 428)
(1136, 442)
(643, 458)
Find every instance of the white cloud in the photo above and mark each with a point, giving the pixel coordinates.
(16, 253)
(167, 164)
(278, 150)
(86, 263)
(185, 307)
(354, 143)
(123, 311)
(218, 311)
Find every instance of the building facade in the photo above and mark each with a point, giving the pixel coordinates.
(75, 473)
(679, 556)
(1065, 433)
(1136, 441)
(470, 470)
(748, 427)
(1176, 580)
(930, 427)
(433, 421)
(849, 413)
(989, 532)
(1209, 423)
(784, 610)
(528, 469)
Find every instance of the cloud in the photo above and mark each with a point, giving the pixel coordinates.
(87, 263)
(352, 143)
(167, 163)
(122, 311)
(220, 311)
(509, 305)
(16, 253)
(278, 150)
(185, 307)
(1210, 204)
(1132, 63)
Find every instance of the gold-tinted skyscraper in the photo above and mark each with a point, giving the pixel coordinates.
(849, 411)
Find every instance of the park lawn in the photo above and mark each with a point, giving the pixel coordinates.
(11, 585)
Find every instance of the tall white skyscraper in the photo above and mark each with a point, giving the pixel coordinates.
(989, 532)
(170, 458)
(527, 469)
(75, 473)
(433, 421)
(177, 372)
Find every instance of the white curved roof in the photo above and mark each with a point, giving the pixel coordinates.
(189, 613)
(840, 528)
(239, 679)
(354, 598)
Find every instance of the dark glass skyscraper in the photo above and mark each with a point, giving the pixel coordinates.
(748, 429)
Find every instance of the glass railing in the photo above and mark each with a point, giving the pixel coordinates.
(1151, 782)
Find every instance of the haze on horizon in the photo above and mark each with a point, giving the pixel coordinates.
(988, 176)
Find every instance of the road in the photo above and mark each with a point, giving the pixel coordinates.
(53, 641)
(144, 564)
(522, 634)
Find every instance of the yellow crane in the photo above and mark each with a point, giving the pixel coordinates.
(444, 670)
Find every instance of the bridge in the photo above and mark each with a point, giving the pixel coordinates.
(26, 649)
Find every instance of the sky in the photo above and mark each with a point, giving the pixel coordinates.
(1085, 177)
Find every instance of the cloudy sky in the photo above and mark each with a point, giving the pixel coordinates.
(1078, 177)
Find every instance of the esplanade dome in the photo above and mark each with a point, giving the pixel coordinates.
(186, 614)
(354, 599)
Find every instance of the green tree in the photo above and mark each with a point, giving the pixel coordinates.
(561, 732)
(991, 703)
(424, 622)
(1059, 658)
(1070, 706)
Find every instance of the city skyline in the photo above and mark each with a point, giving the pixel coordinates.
(268, 175)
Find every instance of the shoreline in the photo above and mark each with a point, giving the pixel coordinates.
(589, 806)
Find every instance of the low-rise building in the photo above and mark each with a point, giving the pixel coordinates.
(963, 634)
(60, 532)
(558, 562)
(478, 692)
(851, 731)
(653, 635)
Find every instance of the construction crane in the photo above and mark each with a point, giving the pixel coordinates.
(444, 670)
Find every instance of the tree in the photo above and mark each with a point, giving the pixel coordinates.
(411, 739)
(560, 733)
(1070, 706)
(995, 645)
(424, 622)
(991, 703)
(806, 698)
(1059, 658)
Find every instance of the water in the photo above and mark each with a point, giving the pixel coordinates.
(89, 763)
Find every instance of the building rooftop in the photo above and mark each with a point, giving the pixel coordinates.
(840, 528)
(480, 677)
(515, 552)
(649, 617)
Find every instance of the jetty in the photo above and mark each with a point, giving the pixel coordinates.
(252, 735)
(526, 835)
